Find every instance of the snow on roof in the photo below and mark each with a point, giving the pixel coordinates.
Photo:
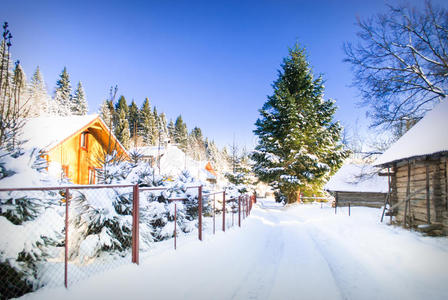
(428, 136)
(357, 178)
(47, 132)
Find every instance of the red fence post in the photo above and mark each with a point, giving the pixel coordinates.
(224, 211)
(67, 197)
(200, 212)
(175, 223)
(239, 211)
(135, 224)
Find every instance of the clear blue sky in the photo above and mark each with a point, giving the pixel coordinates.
(212, 62)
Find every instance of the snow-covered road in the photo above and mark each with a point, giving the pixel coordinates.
(299, 252)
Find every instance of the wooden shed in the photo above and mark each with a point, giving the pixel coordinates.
(359, 185)
(417, 167)
(74, 146)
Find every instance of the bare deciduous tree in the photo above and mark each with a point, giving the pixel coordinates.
(401, 63)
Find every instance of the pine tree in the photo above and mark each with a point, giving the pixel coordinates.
(134, 116)
(157, 128)
(61, 105)
(147, 123)
(171, 130)
(79, 104)
(107, 112)
(163, 131)
(298, 141)
(122, 125)
(38, 97)
(180, 133)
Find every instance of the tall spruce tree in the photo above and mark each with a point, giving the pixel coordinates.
(122, 125)
(171, 129)
(147, 123)
(180, 133)
(38, 97)
(79, 104)
(134, 116)
(298, 140)
(61, 104)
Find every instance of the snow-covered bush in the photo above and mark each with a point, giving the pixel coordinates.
(31, 222)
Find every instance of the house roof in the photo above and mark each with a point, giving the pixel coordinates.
(48, 132)
(357, 178)
(428, 136)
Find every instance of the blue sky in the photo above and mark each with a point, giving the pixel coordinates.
(212, 62)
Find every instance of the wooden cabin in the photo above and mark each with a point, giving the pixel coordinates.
(417, 167)
(359, 185)
(74, 146)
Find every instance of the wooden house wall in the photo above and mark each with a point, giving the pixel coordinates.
(428, 183)
(360, 199)
(69, 153)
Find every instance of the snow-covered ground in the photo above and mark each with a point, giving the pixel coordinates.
(298, 252)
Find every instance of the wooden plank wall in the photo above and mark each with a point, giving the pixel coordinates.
(428, 180)
(361, 199)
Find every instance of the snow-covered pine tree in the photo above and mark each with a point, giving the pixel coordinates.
(134, 124)
(242, 175)
(180, 133)
(147, 123)
(38, 96)
(156, 130)
(122, 126)
(79, 104)
(163, 129)
(171, 129)
(61, 104)
(299, 143)
(107, 112)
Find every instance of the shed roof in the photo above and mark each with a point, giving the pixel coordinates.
(428, 136)
(357, 178)
(48, 132)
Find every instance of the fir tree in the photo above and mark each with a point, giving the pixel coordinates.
(171, 131)
(147, 123)
(38, 97)
(180, 133)
(134, 116)
(122, 125)
(79, 103)
(61, 104)
(163, 129)
(107, 112)
(157, 128)
(298, 141)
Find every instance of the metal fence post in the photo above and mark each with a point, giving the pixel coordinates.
(200, 212)
(349, 209)
(135, 224)
(239, 211)
(224, 211)
(175, 223)
(67, 197)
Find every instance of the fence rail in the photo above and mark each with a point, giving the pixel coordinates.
(79, 209)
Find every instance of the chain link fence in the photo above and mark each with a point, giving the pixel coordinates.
(56, 236)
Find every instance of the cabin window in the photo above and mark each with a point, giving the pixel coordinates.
(92, 175)
(65, 171)
(83, 142)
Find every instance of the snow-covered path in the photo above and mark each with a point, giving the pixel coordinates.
(301, 252)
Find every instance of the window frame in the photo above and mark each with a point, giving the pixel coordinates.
(84, 140)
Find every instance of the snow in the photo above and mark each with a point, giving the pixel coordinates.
(173, 161)
(47, 132)
(297, 252)
(357, 178)
(428, 136)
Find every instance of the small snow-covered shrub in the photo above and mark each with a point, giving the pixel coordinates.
(31, 222)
